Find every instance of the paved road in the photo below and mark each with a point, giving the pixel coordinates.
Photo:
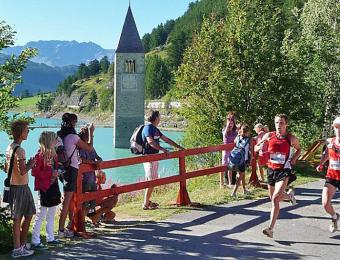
(230, 231)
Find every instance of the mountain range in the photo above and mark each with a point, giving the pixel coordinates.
(56, 60)
(63, 53)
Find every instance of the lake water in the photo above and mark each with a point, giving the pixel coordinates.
(103, 143)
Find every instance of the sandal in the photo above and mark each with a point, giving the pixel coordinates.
(153, 205)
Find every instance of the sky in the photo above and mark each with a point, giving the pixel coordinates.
(99, 21)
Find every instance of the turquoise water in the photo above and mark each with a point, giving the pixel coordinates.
(103, 143)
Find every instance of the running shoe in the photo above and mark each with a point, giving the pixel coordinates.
(39, 246)
(292, 198)
(334, 225)
(21, 252)
(268, 232)
(65, 233)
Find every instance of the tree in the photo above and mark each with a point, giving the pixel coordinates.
(92, 100)
(238, 64)
(157, 77)
(314, 46)
(176, 49)
(104, 64)
(45, 103)
(146, 42)
(10, 74)
(83, 71)
(105, 98)
(94, 67)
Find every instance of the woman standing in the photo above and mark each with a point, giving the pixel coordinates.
(229, 133)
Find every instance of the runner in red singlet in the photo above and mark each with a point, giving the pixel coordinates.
(281, 146)
(332, 153)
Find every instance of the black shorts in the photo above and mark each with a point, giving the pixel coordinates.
(335, 183)
(279, 175)
(70, 179)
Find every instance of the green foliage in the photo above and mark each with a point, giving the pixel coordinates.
(10, 74)
(94, 67)
(238, 64)
(104, 64)
(157, 77)
(45, 103)
(92, 100)
(105, 99)
(5, 230)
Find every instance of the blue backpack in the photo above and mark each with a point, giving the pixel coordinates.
(238, 154)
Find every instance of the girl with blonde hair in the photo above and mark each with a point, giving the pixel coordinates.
(46, 183)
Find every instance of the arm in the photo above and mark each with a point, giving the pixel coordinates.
(324, 157)
(22, 165)
(295, 143)
(259, 145)
(172, 143)
(155, 145)
(85, 146)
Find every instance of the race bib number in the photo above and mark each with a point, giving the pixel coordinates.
(277, 158)
(334, 164)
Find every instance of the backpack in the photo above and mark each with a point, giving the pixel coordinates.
(238, 154)
(137, 145)
(64, 161)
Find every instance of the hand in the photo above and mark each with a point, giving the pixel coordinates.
(319, 168)
(91, 127)
(30, 163)
(293, 162)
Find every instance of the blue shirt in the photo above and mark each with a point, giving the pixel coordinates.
(151, 131)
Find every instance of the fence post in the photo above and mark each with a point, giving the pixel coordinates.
(183, 196)
(79, 218)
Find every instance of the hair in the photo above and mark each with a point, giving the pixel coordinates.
(244, 130)
(153, 116)
(66, 125)
(47, 141)
(284, 116)
(231, 115)
(18, 127)
(84, 133)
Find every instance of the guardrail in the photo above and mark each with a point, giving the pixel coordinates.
(183, 196)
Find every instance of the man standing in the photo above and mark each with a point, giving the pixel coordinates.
(332, 153)
(281, 146)
(151, 136)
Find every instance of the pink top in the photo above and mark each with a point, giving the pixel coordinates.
(70, 144)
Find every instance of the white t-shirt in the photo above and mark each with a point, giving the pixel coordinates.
(70, 144)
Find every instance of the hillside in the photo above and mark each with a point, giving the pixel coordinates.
(63, 53)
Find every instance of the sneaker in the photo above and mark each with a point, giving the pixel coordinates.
(233, 195)
(334, 225)
(268, 232)
(54, 242)
(39, 246)
(21, 252)
(292, 198)
(65, 233)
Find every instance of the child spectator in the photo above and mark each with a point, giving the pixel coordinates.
(46, 183)
(243, 144)
(263, 155)
(229, 134)
(104, 210)
(20, 198)
(89, 178)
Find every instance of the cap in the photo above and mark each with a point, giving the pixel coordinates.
(336, 121)
(259, 125)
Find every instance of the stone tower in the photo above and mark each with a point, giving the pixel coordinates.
(128, 83)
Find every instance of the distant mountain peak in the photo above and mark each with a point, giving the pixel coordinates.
(58, 53)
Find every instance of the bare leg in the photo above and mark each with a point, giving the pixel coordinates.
(147, 196)
(278, 195)
(327, 196)
(24, 229)
(243, 179)
(230, 178)
(65, 209)
(222, 180)
(16, 232)
(237, 184)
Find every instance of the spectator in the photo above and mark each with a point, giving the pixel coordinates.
(151, 136)
(262, 154)
(45, 172)
(20, 199)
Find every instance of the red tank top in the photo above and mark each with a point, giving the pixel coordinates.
(279, 151)
(333, 171)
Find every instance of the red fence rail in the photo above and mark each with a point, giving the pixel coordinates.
(182, 198)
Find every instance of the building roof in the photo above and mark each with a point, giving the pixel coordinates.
(130, 41)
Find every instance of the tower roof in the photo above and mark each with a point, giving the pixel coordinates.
(130, 41)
